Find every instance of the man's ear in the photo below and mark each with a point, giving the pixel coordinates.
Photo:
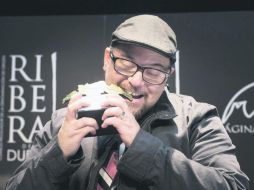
(172, 70)
(107, 58)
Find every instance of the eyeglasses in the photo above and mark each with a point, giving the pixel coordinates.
(129, 68)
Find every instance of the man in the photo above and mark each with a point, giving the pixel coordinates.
(166, 141)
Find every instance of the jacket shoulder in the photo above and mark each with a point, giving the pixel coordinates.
(52, 127)
(58, 117)
(190, 107)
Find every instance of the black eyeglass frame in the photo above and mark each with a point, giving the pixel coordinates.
(139, 68)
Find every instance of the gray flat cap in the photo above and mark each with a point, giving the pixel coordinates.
(148, 31)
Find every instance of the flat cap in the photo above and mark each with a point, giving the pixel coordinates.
(148, 31)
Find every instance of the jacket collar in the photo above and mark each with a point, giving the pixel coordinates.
(163, 109)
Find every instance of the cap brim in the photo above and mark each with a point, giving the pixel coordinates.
(171, 56)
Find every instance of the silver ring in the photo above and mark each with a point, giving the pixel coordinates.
(122, 115)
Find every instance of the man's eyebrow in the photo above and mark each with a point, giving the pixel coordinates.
(162, 66)
(126, 55)
(123, 53)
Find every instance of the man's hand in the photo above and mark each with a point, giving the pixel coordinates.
(73, 130)
(119, 116)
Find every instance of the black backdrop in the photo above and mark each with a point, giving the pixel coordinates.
(45, 57)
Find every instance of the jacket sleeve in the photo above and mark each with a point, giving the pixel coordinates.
(212, 163)
(45, 166)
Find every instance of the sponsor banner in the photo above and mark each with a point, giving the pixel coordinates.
(28, 97)
(238, 116)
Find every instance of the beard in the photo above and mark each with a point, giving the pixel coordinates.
(137, 112)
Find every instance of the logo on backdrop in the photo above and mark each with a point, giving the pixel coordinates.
(28, 93)
(238, 116)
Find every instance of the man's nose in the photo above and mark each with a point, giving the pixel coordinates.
(136, 79)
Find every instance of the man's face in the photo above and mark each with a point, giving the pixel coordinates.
(145, 95)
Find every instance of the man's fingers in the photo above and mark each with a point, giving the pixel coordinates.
(113, 101)
(112, 112)
(76, 105)
(75, 97)
(86, 130)
(114, 121)
(86, 121)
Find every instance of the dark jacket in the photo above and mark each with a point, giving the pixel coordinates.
(182, 145)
